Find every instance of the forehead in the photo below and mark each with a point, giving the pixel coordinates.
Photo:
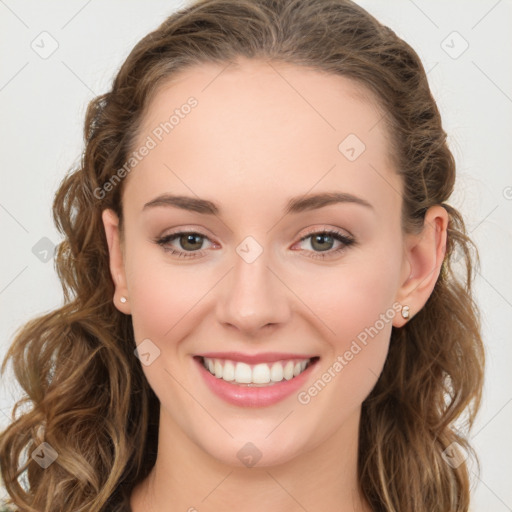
(259, 126)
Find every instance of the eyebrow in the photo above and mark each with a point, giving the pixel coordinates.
(295, 204)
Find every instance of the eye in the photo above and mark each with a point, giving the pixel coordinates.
(190, 241)
(322, 242)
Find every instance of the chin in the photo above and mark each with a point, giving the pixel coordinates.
(250, 448)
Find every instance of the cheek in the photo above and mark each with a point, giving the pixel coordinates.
(162, 294)
(355, 309)
(165, 302)
(355, 294)
(352, 362)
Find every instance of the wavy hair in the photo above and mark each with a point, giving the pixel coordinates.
(85, 393)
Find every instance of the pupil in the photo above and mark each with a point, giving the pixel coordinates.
(192, 239)
(320, 238)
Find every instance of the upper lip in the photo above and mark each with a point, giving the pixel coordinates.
(264, 357)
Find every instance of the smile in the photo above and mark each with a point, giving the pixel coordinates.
(255, 380)
(255, 375)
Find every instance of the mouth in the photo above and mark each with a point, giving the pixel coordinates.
(256, 375)
(254, 381)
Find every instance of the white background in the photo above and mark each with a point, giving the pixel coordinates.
(43, 103)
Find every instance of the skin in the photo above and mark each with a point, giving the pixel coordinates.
(261, 134)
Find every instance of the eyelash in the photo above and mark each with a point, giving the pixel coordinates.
(345, 240)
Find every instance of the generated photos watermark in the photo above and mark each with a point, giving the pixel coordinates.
(357, 345)
(157, 135)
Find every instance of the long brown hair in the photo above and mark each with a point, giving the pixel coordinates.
(85, 392)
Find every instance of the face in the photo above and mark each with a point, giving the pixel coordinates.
(262, 277)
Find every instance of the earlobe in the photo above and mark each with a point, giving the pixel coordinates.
(425, 255)
(116, 263)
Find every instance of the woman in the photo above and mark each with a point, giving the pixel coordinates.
(261, 308)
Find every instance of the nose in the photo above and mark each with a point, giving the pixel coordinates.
(253, 297)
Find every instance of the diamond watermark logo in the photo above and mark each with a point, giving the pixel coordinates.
(454, 455)
(249, 455)
(45, 45)
(44, 455)
(147, 352)
(44, 249)
(352, 147)
(249, 249)
(454, 45)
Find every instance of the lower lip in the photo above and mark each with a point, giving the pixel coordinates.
(249, 396)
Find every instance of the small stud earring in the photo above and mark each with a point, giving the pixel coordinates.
(405, 312)
(123, 299)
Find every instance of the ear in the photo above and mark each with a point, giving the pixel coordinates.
(423, 258)
(111, 225)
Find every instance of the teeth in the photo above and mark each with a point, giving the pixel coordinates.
(243, 373)
(228, 373)
(288, 370)
(259, 374)
(218, 369)
(276, 372)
